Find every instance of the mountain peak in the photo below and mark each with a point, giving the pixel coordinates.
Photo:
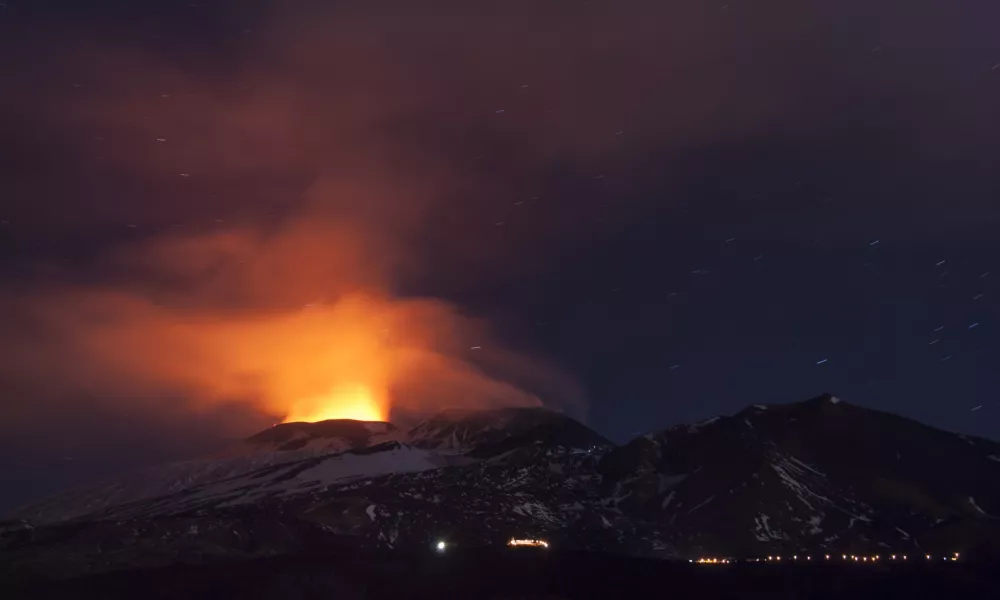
(493, 430)
(819, 474)
(823, 399)
(813, 476)
(334, 435)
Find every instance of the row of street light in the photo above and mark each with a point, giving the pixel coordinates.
(797, 558)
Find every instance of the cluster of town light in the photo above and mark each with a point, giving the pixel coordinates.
(530, 543)
(441, 546)
(714, 561)
(795, 557)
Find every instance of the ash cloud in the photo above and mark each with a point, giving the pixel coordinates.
(180, 182)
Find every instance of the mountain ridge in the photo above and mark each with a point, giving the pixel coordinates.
(821, 476)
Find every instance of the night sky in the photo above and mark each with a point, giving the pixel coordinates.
(641, 212)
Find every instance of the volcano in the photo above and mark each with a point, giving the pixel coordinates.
(816, 477)
(821, 476)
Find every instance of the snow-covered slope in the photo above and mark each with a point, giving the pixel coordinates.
(491, 431)
(287, 447)
(144, 484)
(820, 476)
(310, 439)
(284, 443)
(282, 481)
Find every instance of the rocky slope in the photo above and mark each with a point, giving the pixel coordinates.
(288, 442)
(292, 458)
(816, 477)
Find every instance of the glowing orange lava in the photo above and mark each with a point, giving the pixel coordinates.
(348, 401)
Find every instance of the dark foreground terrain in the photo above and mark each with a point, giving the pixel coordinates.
(513, 574)
(344, 509)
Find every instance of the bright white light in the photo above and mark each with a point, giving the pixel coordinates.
(441, 546)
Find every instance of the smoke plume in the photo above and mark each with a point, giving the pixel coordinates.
(235, 215)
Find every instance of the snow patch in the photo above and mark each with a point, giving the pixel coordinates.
(694, 428)
(994, 457)
(749, 424)
(312, 475)
(667, 499)
(834, 400)
(370, 511)
(706, 501)
(805, 466)
(760, 407)
(221, 473)
(814, 524)
(972, 501)
(862, 518)
(535, 510)
(763, 531)
(787, 469)
(402, 459)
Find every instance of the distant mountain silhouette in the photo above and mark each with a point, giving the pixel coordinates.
(812, 478)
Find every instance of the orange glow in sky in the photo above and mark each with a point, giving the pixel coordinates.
(348, 401)
(296, 324)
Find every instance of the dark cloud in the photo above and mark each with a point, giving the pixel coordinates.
(181, 181)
